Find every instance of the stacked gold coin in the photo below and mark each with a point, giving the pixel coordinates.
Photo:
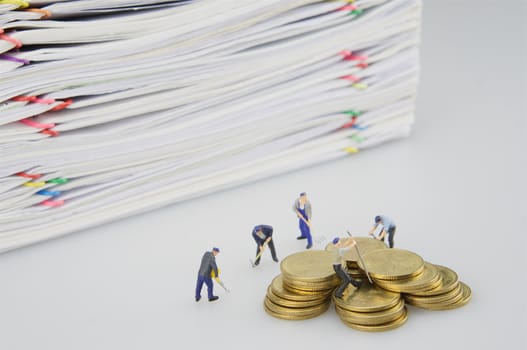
(450, 293)
(303, 290)
(371, 308)
(364, 245)
(392, 265)
(400, 277)
(282, 303)
(428, 279)
(309, 272)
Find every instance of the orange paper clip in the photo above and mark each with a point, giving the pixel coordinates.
(45, 13)
(50, 132)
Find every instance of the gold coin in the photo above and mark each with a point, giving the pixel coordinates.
(367, 298)
(294, 317)
(392, 264)
(383, 327)
(277, 288)
(466, 297)
(310, 266)
(327, 284)
(308, 293)
(458, 301)
(429, 279)
(365, 244)
(372, 318)
(293, 303)
(434, 299)
(449, 281)
(296, 312)
(445, 305)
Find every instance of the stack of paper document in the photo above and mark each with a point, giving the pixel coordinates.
(109, 108)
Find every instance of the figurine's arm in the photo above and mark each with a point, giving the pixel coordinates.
(308, 212)
(372, 230)
(214, 267)
(295, 208)
(350, 242)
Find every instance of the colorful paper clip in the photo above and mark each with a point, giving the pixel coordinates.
(29, 176)
(51, 203)
(21, 4)
(45, 13)
(49, 193)
(58, 180)
(14, 41)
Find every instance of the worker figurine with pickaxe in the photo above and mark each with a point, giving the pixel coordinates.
(263, 235)
(341, 246)
(302, 209)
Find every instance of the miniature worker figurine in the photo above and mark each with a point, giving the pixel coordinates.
(263, 234)
(302, 209)
(341, 247)
(388, 228)
(208, 265)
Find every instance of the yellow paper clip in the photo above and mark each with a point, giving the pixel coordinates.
(34, 184)
(351, 149)
(360, 86)
(21, 4)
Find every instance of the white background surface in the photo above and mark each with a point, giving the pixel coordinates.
(456, 189)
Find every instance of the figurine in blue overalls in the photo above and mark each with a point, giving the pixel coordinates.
(302, 209)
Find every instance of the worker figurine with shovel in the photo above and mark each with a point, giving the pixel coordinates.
(263, 236)
(207, 271)
(302, 209)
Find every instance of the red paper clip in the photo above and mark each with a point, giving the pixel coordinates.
(62, 105)
(29, 176)
(349, 124)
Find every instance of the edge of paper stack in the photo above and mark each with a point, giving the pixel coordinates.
(111, 108)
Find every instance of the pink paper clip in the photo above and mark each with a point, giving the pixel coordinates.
(16, 42)
(34, 99)
(352, 78)
(348, 7)
(50, 203)
(36, 125)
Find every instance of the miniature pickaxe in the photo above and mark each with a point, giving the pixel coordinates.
(259, 255)
(362, 261)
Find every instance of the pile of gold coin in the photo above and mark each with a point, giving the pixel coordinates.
(371, 308)
(399, 277)
(282, 303)
(450, 293)
(303, 290)
(422, 284)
